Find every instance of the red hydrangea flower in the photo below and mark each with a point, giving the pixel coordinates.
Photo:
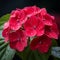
(17, 18)
(30, 22)
(34, 26)
(18, 40)
(42, 44)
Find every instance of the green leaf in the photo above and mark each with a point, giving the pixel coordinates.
(6, 53)
(1, 27)
(1, 34)
(31, 56)
(56, 58)
(28, 54)
(4, 18)
(1, 42)
(24, 54)
(9, 54)
(54, 42)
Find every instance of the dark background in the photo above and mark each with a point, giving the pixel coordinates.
(6, 6)
(52, 6)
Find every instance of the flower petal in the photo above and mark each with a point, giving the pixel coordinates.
(40, 29)
(34, 43)
(45, 46)
(53, 33)
(30, 32)
(5, 34)
(14, 24)
(13, 37)
(19, 46)
(48, 20)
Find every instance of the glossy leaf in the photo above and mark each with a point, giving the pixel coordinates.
(6, 53)
(4, 18)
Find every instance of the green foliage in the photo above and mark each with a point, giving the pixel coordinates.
(54, 43)
(4, 18)
(6, 53)
(28, 54)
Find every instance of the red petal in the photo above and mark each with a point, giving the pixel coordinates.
(5, 34)
(44, 45)
(48, 20)
(40, 29)
(13, 37)
(40, 32)
(53, 33)
(19, 46)
(34, 43)
(13, 45)
(43, 11)
(30, 32)
(31, 9)
(6, 25)
(31, 22)
(14, 24)
(19, 39)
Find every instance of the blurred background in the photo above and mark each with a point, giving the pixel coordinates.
(6, 6)
(52, 6)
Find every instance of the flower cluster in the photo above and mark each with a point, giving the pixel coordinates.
(27, 23)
